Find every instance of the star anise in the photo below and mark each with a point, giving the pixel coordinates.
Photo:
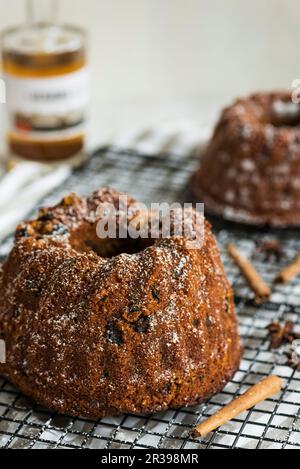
(292, 363)
(272, 249)
(282, 334)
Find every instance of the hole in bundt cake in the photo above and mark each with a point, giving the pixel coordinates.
(285, 114)
(85, 239)
(110, 248)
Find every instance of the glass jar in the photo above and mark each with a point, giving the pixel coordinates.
(46, 77)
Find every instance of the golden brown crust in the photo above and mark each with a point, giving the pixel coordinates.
(92, 336)
(250, 171)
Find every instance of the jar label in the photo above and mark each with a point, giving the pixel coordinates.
(47, 108)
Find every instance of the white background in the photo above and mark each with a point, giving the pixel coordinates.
(160, 59)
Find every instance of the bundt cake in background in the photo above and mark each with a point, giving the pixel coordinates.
(250, 171)
(95, 328)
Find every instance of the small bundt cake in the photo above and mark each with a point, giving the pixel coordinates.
(100, 327)
(250, 172)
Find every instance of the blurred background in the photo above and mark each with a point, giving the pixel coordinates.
(161, 59)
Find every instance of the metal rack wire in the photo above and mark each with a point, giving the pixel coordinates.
(272, 424)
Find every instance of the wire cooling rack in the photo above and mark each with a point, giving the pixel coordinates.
(274, 424)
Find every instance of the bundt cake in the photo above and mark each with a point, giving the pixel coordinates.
(250, 172)
(100, 327)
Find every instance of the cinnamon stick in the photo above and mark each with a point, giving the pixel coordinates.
(289, 272)
(259, 287)
(258, 393)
